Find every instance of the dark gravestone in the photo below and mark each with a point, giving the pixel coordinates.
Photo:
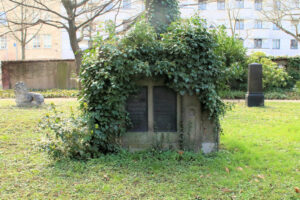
(137, 106)
(255, 96)
(165, 109)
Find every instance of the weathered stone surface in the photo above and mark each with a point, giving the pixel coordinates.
(193, 130)
(25, 98)
(255, 96)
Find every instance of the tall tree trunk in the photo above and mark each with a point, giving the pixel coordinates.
(75, 46)
(23, 50)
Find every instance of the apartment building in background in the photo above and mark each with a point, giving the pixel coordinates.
(245, 16)
(44, 42)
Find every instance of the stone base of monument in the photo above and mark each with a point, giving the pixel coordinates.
(255, 99)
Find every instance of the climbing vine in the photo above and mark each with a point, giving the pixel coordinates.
(184, 57)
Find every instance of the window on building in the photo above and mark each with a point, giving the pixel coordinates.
(258, 24)
(36, 43)
(239, 3)
(3, 42)
(277, 5)
(294, 44)
(275, 27)
(276, 43)
(126, 3)
(258, 4)
(3, 18)
(202, 4)
(221, 4)
(257, 43)
(47, 17)
(297, 3)
(47, 41)
(239, 24)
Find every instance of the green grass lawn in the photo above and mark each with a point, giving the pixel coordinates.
(259, 159)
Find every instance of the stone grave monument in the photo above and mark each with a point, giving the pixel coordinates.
(25, 98)
(255, 95)
(163, 119)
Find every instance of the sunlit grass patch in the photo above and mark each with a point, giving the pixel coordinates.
(258, 159)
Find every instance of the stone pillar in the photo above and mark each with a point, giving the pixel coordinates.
(255, 95)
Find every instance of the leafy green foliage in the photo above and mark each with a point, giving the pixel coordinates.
(71, 138)
(273, 76)
(293, 69)
(52, 93)
(234, 59)
(184, 58)
(162, 13)
(297, 87)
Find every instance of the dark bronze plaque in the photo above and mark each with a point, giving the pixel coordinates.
(165, 107)
(137, 106)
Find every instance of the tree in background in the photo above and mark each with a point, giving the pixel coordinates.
(18, 20)
(75, 19)
(279, 12)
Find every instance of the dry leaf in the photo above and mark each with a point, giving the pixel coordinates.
(239, 168)
(256, 180)
(106, 178)
(226, 190)
(260, 176)
(201, 176)
(227, 170)
(297, 190)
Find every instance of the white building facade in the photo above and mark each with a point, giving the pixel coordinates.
(242, 18)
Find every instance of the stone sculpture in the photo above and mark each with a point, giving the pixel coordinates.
(25, 98)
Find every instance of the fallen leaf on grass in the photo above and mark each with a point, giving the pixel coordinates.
(106, 178)
(239, 169)
(226, 190)
(297, 190)
(256, 180)
(261, 176)
(227, 170)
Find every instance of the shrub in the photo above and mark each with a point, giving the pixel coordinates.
(67, 136)
(297, 87)
(293, 69)
(234, 59)
(273, 76)
(52, 93)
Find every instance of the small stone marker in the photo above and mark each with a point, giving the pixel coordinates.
(255, 95)
(25, 98)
